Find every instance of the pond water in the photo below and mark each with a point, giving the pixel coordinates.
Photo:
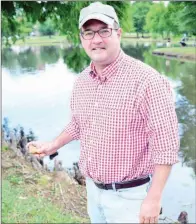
(36, 89)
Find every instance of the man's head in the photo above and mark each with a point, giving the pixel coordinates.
(100, 32)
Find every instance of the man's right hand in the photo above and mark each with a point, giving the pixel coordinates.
(42, 148)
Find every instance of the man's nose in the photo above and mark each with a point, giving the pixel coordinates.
(97, 38)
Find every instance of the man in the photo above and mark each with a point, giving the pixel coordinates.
(124, 115)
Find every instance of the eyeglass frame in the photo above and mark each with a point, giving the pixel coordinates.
(81, 33)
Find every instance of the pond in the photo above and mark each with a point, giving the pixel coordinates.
(36, 89)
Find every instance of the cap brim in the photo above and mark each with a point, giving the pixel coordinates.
(97, 16)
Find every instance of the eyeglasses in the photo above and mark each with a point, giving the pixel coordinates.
(89, 34)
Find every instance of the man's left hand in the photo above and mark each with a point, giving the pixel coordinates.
(150, 210)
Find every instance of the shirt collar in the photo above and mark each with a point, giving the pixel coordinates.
(109, 70)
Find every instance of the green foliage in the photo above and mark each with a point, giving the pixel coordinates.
(140, 10)
(47, 28)
(176, 18)
(19, 18)
(26, 28)
(64, 16)
(173, 23)
(123, 10)
(5, 148)
(155, 19)
(188, 16)
(10, 29)
(76, 59)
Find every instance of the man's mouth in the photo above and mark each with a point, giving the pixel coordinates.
(98, 48)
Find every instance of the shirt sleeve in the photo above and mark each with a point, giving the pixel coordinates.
(158, 110)
(72, 127)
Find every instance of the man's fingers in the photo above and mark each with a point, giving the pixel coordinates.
(37, 155)
(31, 143)
(142, 219)
(34, 143)
(154, 220)
(147, 220)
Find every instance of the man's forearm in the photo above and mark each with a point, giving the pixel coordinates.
(63, 139)
(159, 180)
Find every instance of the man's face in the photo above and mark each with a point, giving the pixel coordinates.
(101, 50)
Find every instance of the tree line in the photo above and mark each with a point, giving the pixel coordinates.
(19, 18)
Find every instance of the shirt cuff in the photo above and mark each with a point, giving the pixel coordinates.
(165, 158)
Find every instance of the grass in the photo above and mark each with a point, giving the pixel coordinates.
(20, 207)
(42, 40)
(181, 50)
(4, 148)
(31, 196)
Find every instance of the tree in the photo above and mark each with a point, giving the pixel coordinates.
(47, 28)
(155, 22)
(140, 10)
(188, 16)
(64, 15)
(124, 12)
(10, 26)
(171, 18)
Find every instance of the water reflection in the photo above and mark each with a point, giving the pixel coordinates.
(49, 54)
(29, 59)
(186, 112)
(182, 75)
(136, 51)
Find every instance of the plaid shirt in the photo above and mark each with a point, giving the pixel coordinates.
(125, 120)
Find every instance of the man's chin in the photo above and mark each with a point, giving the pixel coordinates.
(99, 59)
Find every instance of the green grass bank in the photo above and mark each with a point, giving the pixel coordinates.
(32, 196)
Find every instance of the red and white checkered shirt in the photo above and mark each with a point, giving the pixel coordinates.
(125, 120)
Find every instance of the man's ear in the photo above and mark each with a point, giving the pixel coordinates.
(119, 33)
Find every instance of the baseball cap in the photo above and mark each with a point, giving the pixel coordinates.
(99, 11)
